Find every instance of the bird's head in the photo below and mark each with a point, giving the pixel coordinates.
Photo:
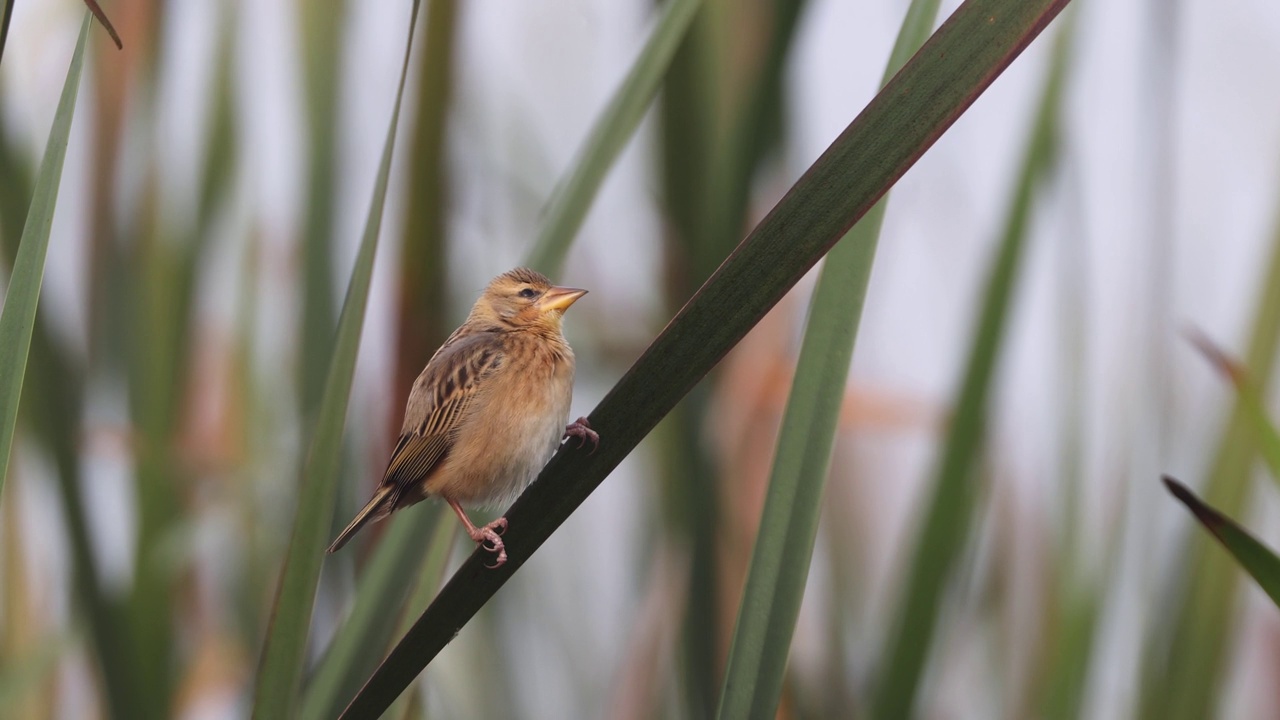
(524, 299)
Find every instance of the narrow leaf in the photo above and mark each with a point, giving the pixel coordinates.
(789, 521)
(53, 389)
(422, 317)
(321, 28)
(106, 23)
(5, 18)
(18, 315)
(950, 505)
(957, 64)
(1184, 667)
(360, 642)
(1261, 564)
(1247, 396)
(1070, 656)
(20, 679)
(576, 191)
(286, 643)
(439, 548)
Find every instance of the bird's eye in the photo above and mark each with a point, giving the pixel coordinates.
(528, 293)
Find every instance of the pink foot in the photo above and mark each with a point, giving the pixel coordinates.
(489, 538)
(582, 431)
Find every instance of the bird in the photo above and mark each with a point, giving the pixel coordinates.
(488, 411)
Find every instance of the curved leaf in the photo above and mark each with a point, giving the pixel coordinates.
(1261, 564)
(1248, 397)
(18, 315)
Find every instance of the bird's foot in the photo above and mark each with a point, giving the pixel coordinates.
(581, 430)
(489, 537)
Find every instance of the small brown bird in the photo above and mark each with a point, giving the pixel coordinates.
(488, 410)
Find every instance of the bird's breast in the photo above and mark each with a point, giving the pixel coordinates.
(516, 425)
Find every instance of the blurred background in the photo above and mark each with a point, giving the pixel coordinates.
(218, 177)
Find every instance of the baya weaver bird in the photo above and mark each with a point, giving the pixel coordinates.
(488, 410)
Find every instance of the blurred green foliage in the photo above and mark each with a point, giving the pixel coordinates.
(211, 428)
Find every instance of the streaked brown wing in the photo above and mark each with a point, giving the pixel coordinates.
(443, 394)
(414, 457)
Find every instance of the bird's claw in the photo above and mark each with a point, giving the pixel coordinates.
(489, 538)
(581, 430)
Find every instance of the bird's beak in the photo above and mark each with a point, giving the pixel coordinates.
(559, 298)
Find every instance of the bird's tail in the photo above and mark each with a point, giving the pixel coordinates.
(378, 507)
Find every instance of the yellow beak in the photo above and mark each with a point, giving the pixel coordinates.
(559, 298)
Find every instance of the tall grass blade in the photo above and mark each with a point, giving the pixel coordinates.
(950, 507)
(687, 110)
(439, 548)
(322, 25)
(283, 654)
(253, 419)
(423, 298)
(387, 577)
(720, 125)
(575, 192)
(5, 19)
(52, 409)
(789, 522)
(1261, 564)
(17, 178)
(960, 61)
(56, 420)
(361, 641)
(1250, 399)
(20, 679)
(94, 8)
(754, 131)
(1184, 665)
(18, 315)
(221, 156)
(1064, 696)
(160, 291)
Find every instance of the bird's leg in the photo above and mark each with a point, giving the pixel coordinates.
(486, 537)
(581, 430)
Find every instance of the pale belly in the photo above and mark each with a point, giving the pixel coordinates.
(494, 460)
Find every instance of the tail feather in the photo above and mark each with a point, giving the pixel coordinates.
(378, 507)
